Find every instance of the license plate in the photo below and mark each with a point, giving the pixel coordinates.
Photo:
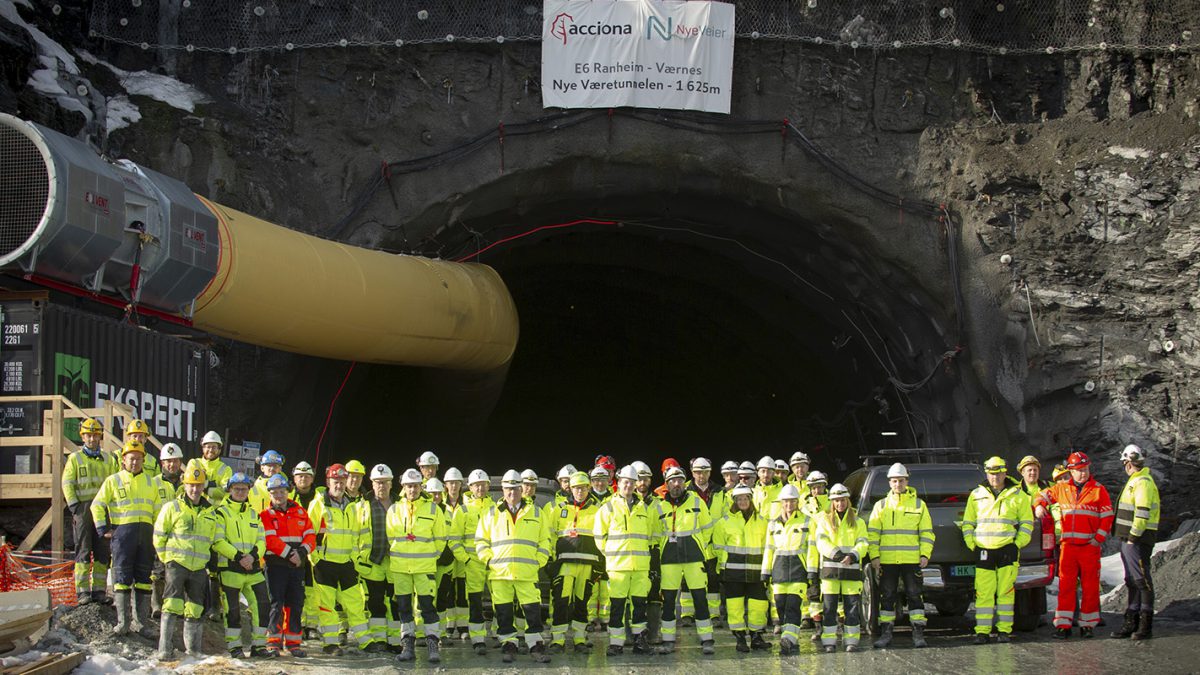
(962, 571)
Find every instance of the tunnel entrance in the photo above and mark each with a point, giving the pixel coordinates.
(715, 330)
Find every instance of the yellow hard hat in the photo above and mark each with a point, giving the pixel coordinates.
(1027, 460)
(1059, 472)
(91, 426)
(133, 446)
(995, 465)
(355, 466)
(194, 474)
(137, 427)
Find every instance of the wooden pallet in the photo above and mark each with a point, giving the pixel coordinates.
(51, 664)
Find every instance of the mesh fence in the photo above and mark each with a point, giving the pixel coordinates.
(995, 26)
(28, 570)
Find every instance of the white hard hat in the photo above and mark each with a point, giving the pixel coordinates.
(897, 471)
(630, 473)
(746, 469)
(838, 491)
(1131, 453)
(781, 465)
(815, 477)
(478, 476)
(212, 437)
(434, 485)
(766, 463)
(673, 472)
(729, 467)
(303, 468)
(789, 491)
(565, 472)
(452, 474)
(599, 472)
(381, 471)
(799, 458)
(701, 463)
(427, 459)
(643, 469)
(172, 451)
(742, 490)
(529, 476)
(411, 477)
(511, 479)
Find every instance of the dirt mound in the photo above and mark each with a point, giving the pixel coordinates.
(1176, 580)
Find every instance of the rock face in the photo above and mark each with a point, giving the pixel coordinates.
(1070, 182)
(1176, 580)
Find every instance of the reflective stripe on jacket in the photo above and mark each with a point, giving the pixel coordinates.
(185, 533)
(286, 530)
(124, 499)
(513, 546)
(218, 474)
(995, 520)
(836, 539)
(571, 526)
(1138, 507)
(900, 530)
(625, 534)
(1086, 512)
(417, 532)
(738, 542)
(338, 528)
(243, 530)
(83, 475)
(685, 529)
(787, 551)
(764, 497)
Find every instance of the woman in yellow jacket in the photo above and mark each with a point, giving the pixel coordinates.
(739, 541)
(842, 544)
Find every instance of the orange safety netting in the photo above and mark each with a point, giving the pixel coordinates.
(27, 570)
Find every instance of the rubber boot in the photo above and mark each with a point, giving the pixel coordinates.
(213, 613)
(885, 636)
(141, 602)
(435, 654)
(708, 647)
(156, 591)
(1145, 628)
(919, 636)
(1128, 626)
(166, 637)
(654, 623)
(740, 636)
(123, 600)
(193, 637)
(408, 648)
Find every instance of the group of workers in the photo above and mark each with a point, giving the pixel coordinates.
(359, 564)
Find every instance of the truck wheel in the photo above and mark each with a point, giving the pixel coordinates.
(952, 606)
(870, 601)
(1029, 606)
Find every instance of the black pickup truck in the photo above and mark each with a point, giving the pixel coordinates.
(949, 578)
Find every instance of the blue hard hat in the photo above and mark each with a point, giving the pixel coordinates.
(238, 478)
(277, 481)
(271, 457)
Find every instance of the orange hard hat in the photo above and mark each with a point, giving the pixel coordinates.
(668, 463)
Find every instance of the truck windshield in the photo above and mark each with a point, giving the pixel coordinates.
(941, 485)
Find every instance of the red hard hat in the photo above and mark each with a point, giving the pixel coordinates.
(607, 462)
(336, 471)
(668, 463)
(1077, 460)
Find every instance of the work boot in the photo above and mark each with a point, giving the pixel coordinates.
(885, 636)
(123, 601)
(260, 652)
(758, 642)
(641, 643)
(787, 647)
(141, 602)
(583, 647)
(555, 648)
(807, 623)
(332, 650)
(1003, 638)
(740, 636)
(687, 621)
(1128, 626)
(408, 648)
(435, 654)
(851, 648)
(1061, 633)
(979, 639)
(919, 636)
(829, 649)
(298, 652)
(101, 597)
(667, 647)
(166, 637)
(480, 648)
(708, 647)
(508, 652)
(235, 652)
(375, 647)
(83, 598)
(538, 652)
(1145, 629)
(614, 650)
(1087, 632)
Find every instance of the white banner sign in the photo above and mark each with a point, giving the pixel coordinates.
(639, 53)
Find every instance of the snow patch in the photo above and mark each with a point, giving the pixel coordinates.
(158, 87)
(49, 47)
(1128, 153)
(121, 113)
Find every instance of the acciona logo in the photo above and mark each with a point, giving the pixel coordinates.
(564, 25)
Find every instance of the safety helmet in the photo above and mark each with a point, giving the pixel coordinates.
(381, 472)
(599, 471)
(607, 462)
(194, 474)
(277, 481)
(170, 451)
(1059, 472)
(799, 458)
(427, 459)
(675, 472)
(271, 457)
(529, 476)
(995, 465)
(746, 469)
(336, 471)
(212, 437)
(452, 474)
(411, 477)
(91, 426)
(1026, 461)
(897, 470)
(667, 464)
(643, 469)
(839, 491)
(510, 479)
(815, 478)
(566, 471)
(136, 427)
(630, 473)
(1077, 460)
(781, 465)
(742, 490)
(133, 446)
(434, 485)
(303, 468)
(238, 478)
(729, 467)
(766, 463)
(701, 463)
(789, 491)
(355, 466)
(579, 479)
(478, 476)
(1132, 453)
